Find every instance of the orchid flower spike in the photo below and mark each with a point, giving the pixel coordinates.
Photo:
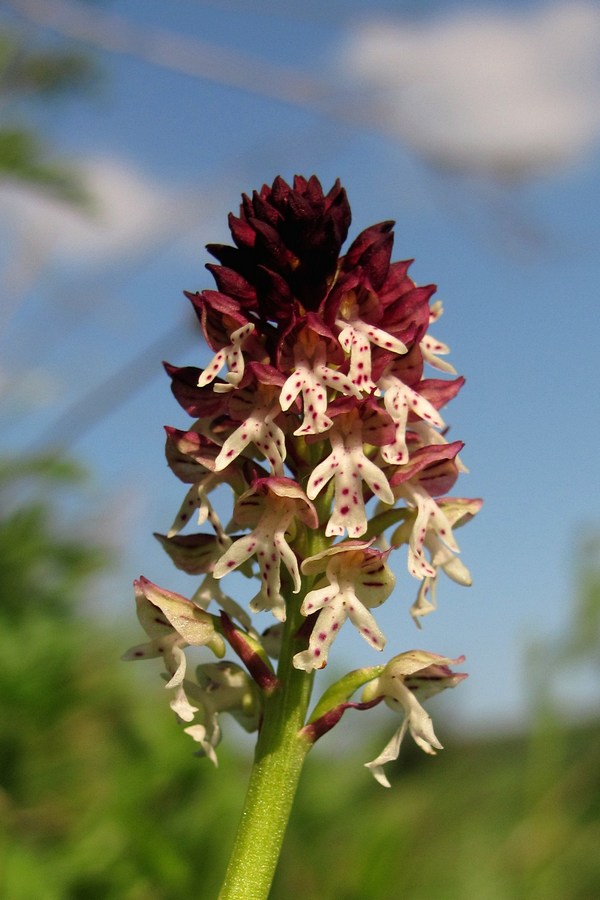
(317, 453)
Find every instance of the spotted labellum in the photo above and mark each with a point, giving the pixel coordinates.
(322, 414)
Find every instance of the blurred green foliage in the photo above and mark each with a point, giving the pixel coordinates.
(101, 796)
(30, 75)
(25, 70)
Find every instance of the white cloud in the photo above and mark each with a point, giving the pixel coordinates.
(130, 212)
(495, 92)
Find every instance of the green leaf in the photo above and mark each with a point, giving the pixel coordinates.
(23, 158)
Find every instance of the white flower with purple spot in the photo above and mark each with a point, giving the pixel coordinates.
(415, 672)
(429, 519)
(356, 578)
(400, 400)
(433, 349)
(356, 338)
(312, 377)
(457, 511)
(349, 467)
(271, 505)
(231, 356)
(172, 622)
(259, 429)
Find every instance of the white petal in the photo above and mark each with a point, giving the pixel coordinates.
(421, 726)
(366, 625)
(327, 627)
(182, 707)
(376, 480)
(321, 475)
(238, 553)
(234, 445)
(389, 753)
(175, 662)
(199, 734)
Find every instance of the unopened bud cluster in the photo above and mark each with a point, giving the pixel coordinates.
(319, 413)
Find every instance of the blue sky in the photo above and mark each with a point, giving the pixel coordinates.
(474, 126)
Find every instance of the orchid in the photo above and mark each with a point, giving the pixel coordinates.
(356, 339)
(349, 467)
(433, 349)
(221, 687)
(317, 416)
(356, 579)
(172, 623)
(259, 428)
(400, 400)
(271, 504)
(408, 674)
(231, 356)
(312, 377)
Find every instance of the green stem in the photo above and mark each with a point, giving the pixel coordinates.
(280, 753)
